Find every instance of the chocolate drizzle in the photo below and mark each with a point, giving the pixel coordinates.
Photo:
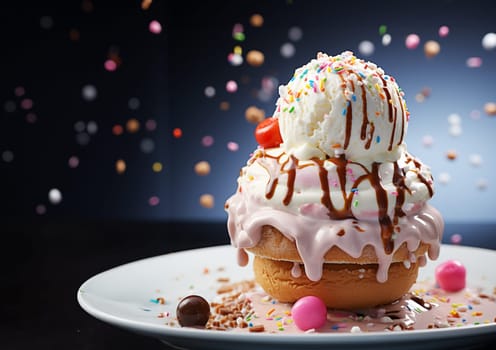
(343, 169)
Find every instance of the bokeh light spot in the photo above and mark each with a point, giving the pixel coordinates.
(157, 167)
(153, 201)
(412, 41)
(256, 20)
(209, 91)
(207, 201)
(255, 58)
(120, 166)
(489, 41)
(295, 33)
(147, 145)
(151, 125)
(431, 48)
(117, 130)
(89, 92)
(133, 103)
(202, 168)
(110, 65)
(155, 27)
(474, 62)
(231, 86)
(207, 141)
(73, 162)
(232, 146)
(177, 133)
(443, 31)
(7, 156)
(366, 48)
(490, 108)
(288, 50)
(54, 196)
(132, 125)
(254, 115)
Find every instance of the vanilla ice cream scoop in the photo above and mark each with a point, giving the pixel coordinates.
(338, 105)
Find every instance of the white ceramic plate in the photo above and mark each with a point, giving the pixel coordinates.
(126, 297)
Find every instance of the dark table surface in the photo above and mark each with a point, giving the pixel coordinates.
(46, 262)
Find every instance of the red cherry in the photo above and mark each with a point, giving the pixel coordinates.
(267, 133)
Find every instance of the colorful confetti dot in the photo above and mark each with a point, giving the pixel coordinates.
(443, 31)
(54, 196)
(412, 41)
(89, 92)
(256, 20)
(382, 29)
(73, 162)
(209, 91)
(132, 125)
(254, 115)
(110, 65)
(451, 155)
(287, 50)
(386, 39)
(475, 160)
(40, 209)
(150, 125)
(7, 156)
(177, 133)
(231, 86)
(207, 141)
(157, 167)
(490, 108)
(120, 166)
(232, 146)
(224, 106)
(366, 48)
(456, 238)
(235, 59)
(92, 127)
(474, 62)
(431, 48)
(147, 145)
(427, 141)
(155, 27)
(255, 58)
(295, 33)
(19, 91)
(117, 130)
(26, 103)
(202, 168)
(489, 41)
(444, 178)
(153, 201)
(133, 103)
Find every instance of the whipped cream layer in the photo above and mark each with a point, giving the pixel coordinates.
(319, 204)
(342, 105)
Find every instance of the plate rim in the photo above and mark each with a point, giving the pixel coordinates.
(168, 333)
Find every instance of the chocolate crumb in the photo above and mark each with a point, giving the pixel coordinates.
(257, 328)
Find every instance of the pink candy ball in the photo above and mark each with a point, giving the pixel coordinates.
(309, 312)
(450, 276)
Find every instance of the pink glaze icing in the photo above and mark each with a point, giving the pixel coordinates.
(335, 203)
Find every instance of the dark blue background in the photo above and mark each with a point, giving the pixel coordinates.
(168, 73)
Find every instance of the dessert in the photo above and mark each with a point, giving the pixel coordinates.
(332, 204)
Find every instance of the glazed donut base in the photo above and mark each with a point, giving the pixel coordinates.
(342, 286)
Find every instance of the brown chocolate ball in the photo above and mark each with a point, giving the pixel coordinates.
(193, 310)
